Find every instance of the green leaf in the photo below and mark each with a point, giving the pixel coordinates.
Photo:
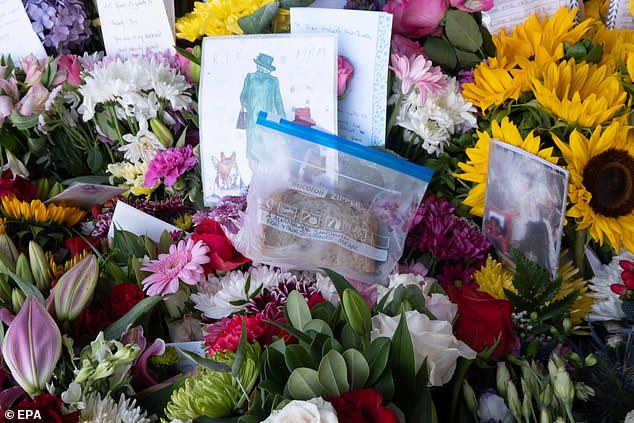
(349, 338)
(129, 243)
(385, 385)
(403, 366)
(303, 384)
(325, 311)
(27, 287)
(424, 410)
(165, 241)
(296, 356)
(88, 179)
(358, 368)
(301, 336)
(467, 60)
(357, 313)
(287, 4)
(377, 356)
(297, 310)
(333, 374)
(340, 283)
(259, 20)
(204, 362)
(205, 419)
(331, 344)
(237, 363)
(318, 326)
(94, 159)
(462, 30)
(188, 55)
(441, 52)
(118, 328)
(150, 248)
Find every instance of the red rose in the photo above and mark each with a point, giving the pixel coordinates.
(78, 244)
(362, 406)
(222, 254)
(482, 319)
(23, 189)
(122, 298)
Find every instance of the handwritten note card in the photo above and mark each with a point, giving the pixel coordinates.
(507, 14)
(134, 26)
(364, 39)
(620, 15)
(17, 37)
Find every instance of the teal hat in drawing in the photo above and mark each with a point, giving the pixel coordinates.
(265, 61)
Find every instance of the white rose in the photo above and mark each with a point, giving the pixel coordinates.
(433, 339)
(315, 410)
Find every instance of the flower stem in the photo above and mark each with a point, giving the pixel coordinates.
(390, 123)
(580, 251)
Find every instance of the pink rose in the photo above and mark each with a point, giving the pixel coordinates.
(415, 18)
(405, 47)
(344, 75)
(472, 5)
(170, 164)
(69, 70)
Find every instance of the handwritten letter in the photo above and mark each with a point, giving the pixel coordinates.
(362, 113)
(134, 26)
(507, 14)
(17, 37)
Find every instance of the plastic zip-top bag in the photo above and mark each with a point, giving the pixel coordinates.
(319, 201)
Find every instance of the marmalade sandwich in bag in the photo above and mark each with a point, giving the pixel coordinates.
(319, 201)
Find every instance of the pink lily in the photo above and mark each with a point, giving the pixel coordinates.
(75, 289)
(32, 347)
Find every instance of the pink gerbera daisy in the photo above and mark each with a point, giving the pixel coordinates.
(417, 71)
(183, 263)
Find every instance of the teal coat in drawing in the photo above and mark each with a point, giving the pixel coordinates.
(261, 91)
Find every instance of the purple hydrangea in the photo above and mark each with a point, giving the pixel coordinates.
(62, 25)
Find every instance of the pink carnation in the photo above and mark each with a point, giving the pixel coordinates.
(183, 263)
(170, 164)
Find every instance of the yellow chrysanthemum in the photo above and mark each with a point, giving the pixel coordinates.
(38, 212)
(216, 17)
(572, 281)
(601, 186)
(586, 94)
(493, 278)
(475, 170)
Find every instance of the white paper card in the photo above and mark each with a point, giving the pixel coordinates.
(364, 39)
(619, 15)
(507, 14)
(17, 37)
(291, 75)
(134, 26)
(525, 205)
(128, 218)
(84, 195)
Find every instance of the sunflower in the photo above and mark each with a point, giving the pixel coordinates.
(476, 168)
(601, 186)
(37, 212)
(617, 44)
(584, 93)
(492, 85)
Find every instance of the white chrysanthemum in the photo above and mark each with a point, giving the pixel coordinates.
(607, 305)
(171, 86)
(327, 289)
(143, 146)
(442, 115)
(216, 295)
(99, 410)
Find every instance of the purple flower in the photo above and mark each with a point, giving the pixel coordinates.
(229, 213)
(492, 408)
(170, 164)
(447, 237)
(62, 25)
(271, 302)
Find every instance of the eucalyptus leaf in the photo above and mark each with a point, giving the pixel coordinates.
(259, 20)
(297, 310)
(140, 309)
(462, 30)
(441, 52)
(325, 311)
(349, 339)
(331, 344)
(358, 368)
(303, 384)
(318, 326)
(296, 356)
(333, 374)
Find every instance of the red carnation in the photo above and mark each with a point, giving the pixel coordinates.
(78, 244)
(122, 298)
(22, 188)
(362, 406)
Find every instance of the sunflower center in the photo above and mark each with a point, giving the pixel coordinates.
(609, 177)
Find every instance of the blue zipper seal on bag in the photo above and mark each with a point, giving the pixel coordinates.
(326, 139)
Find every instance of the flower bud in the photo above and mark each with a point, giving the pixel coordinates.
(545, 397)
(567, 325)
(502, 376)
(469, 397)
(57, 188)
(23, 269)
(513, 400)
(17, 299)
(563, 387)
(591, 360)
(32, 347)
(583, 391)
(527, 403)
(74, 290)
(39, 266)
(162, 132)
(544, 416)
(357, 312)
(8, 251)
